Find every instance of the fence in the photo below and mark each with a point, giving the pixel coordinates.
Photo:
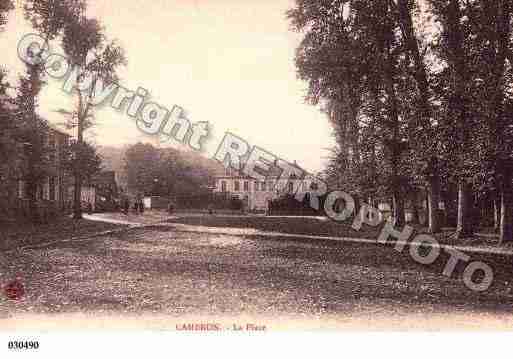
(208, 201)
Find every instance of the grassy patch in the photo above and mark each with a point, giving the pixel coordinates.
(18, 235)
(292, 225)
(317, 227)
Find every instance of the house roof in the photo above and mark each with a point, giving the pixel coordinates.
(274, 172)
(8, 103)
(105, 177)
(55, 128)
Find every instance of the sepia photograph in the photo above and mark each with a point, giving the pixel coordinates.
(229, 171)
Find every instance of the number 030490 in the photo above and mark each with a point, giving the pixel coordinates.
(23, 345)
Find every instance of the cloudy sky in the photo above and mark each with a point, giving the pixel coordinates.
(228, 62)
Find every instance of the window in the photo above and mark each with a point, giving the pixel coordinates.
(237, 186)
(263, 186)
(246, 186)
(291, 187)
(52, 148)
(270, 186)
(60, 188)
(223, 186)
(52, 189)
(257, 187)
(21, 189)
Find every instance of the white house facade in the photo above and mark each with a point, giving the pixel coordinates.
(255, 194)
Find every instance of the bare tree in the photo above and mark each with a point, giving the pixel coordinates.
(93, 57)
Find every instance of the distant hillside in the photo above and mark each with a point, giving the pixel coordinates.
(196, 159)
(114, 160)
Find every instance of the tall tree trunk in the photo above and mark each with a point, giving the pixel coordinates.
(465, 211)
(462, 120)
(394, 144)
(501, 37)
(32, 198)
(34, 146)
(497, 214)
(415, 219)
(357, 205)
(424, 126)
(506, 225)
(392, 208)
(77, 197)
(399, 213)
(77, 207)
(433, 201)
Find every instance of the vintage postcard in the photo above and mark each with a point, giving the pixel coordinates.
(251, 167)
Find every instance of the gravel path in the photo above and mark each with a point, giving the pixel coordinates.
(161, 272)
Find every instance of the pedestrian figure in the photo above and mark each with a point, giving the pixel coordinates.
(14, 290)
(126, 207)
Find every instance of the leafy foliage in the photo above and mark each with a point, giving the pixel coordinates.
(49, 17)
(5, 7)
(90, 162)
(164, 172)
(414, 91)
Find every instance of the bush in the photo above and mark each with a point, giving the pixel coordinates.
(212, 201)
(288, 205)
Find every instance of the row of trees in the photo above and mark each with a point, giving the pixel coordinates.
(62, 23)
(419, 94)
(165, 172)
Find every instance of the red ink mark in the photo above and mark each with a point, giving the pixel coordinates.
(14, 290)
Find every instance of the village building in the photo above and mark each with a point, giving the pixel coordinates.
(51, 194)
(256, 195)
(54, 193)
(99, 194)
